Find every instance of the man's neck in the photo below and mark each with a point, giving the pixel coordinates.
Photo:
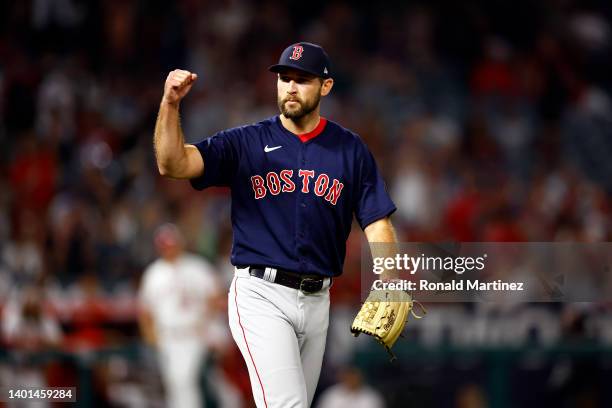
(302, 125)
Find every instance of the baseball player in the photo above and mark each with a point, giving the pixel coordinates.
(296, 180)
(177, 296)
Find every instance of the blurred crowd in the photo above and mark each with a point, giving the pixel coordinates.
(491, 121)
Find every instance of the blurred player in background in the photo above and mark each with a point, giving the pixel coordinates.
(351, 392)
(179, 295)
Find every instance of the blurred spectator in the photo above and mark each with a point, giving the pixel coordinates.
(351, 392)
(87, 314)
(23, 255)
(30, 330)
(27, 324)
(32, 174)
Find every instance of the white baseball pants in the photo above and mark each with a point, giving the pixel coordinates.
(281, 333)
(181, 360)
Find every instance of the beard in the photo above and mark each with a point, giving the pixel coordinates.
(304, 108)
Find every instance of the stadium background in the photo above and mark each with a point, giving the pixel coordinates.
(490, 120)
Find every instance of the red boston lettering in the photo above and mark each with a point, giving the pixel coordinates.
(334, 192)
(306, 175)
(321, 184)
(282, 182)
(258, 187)
(289, 185)
(273, 183)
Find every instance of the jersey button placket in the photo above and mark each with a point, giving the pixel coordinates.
(301, 211)
(304, 196)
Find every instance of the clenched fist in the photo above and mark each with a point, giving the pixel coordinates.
(178, 84)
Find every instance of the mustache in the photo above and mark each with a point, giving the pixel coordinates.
(291, 99)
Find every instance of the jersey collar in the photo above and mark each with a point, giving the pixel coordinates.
(314, 132)
(305, 137)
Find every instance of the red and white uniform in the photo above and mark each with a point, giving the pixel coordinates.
(177, 295)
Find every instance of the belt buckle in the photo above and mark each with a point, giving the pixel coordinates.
(309, 280)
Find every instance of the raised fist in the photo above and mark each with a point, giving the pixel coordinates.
(178, 83)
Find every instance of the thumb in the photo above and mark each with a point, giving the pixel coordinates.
(194, 77)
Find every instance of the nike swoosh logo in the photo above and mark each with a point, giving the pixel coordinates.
(271, 149)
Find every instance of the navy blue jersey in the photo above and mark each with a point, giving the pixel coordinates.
(293, 198)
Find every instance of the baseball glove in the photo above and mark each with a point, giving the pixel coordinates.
(383, 316)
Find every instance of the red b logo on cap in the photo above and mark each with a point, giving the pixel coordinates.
(297, 52)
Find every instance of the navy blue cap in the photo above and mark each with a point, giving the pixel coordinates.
(306, 57)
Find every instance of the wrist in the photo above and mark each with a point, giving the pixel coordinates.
(389, 276)
(171, 104)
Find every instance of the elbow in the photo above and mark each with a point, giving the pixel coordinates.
(177, 168)
(174, 172)
(165, 170)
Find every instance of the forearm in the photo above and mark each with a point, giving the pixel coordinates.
(147, 329)
(381, 231)
(169, 142)
(383, 243)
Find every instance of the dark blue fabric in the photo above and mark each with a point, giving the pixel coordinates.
(294, 230)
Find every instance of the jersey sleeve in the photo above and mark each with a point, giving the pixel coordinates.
(372, 199)
(220, 155)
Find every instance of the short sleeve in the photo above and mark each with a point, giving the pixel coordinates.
(220, 154)
(372, 199)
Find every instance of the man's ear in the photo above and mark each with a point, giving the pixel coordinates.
(326, 86)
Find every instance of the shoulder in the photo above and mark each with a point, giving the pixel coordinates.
(339, 130)
(250, 129)
(154, 268)
(332, 395)
(198, 264)
(153, 275)
(350, 142)
(345, 135)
